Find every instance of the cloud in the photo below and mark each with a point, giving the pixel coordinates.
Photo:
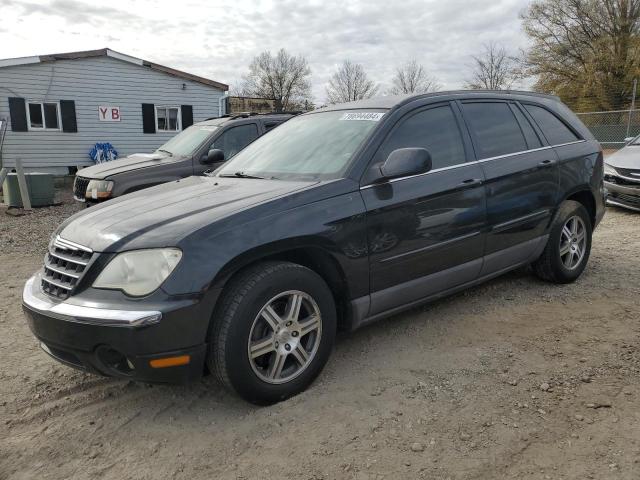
(75, 12)
(216, 41)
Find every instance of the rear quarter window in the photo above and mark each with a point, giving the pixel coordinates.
(552, 127)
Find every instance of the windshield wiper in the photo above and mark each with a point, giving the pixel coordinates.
(166, 151)
(241, 175)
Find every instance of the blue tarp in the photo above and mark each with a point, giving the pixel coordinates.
(103, 152)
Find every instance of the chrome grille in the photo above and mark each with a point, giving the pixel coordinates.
(622, 181)
(80, 187)
(626, 172)
(64, 266)
(624, 176)
(632, 199)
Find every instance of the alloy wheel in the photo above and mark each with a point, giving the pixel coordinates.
(284, 337)
(573, 242)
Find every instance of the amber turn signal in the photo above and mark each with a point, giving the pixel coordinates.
(170, 361)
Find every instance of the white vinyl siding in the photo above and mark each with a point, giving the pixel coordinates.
(92, 82)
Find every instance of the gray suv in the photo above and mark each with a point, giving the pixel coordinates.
(201, 147)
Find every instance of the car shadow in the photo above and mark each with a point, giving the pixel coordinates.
(210, 399)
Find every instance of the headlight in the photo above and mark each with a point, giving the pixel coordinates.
(99, 189)
(139, 272)
(609, 170)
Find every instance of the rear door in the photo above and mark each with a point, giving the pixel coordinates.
(424, 231)
(521, 181)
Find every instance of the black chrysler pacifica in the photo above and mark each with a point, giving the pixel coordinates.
(337, 218)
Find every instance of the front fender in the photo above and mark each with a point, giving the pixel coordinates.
(336, 225)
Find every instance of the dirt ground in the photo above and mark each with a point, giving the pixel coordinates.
(513, 379)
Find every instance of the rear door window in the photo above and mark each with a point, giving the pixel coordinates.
(552, 127)
(529, 133)
(234, 139)
(495, 129)
(270, 125)
(435, 129)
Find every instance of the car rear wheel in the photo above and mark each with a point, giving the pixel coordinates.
(568, 247)
(273, 332)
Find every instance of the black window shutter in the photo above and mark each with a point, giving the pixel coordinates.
(148, 118)
(187, 115)
(68, 115)
(18, 113)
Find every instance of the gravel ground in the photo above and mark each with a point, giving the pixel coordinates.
(513, 379)
(24, 233)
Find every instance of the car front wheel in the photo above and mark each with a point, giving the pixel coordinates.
(273, 332)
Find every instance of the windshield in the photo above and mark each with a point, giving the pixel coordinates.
(187, 141)
(318, 146)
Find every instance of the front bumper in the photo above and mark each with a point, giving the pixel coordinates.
(625, 196)
(80, 187)
(117, 341)
(90, 201)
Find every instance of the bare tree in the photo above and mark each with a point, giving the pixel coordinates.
(585, 51)
(238, 89)
(413, 78)
(350, 83)
(494, 69)
(283, 78)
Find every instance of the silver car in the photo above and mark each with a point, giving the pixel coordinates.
(622, 176)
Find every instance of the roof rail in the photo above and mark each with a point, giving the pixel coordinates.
(233, 116)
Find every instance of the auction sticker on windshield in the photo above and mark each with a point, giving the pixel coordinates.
(371, 116)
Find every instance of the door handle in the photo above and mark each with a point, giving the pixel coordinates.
(546, 163)
(470, 182)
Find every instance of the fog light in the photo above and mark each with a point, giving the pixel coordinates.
(114, 360)
(170, 361)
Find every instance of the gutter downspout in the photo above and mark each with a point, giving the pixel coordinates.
(222, 99)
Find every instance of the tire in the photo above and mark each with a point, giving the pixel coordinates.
(554, 264)
(243, 327)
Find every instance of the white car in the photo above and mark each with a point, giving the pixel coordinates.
(622, 176)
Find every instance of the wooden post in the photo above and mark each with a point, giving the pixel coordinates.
(3, 175)
(22, 182)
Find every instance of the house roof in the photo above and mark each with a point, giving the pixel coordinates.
(106, 52)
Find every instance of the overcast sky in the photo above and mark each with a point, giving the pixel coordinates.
(217, 39)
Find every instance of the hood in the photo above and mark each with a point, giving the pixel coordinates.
(627, 157)
(133, 162)
(161, 216)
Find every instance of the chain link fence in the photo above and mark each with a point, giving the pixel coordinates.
(611, 128)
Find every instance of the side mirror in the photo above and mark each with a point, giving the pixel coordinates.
(406, 161)
(215, 155)
(628, 139)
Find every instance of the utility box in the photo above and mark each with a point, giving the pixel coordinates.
(40, 186)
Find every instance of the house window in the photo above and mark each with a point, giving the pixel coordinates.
(43, 116)
(168, 119)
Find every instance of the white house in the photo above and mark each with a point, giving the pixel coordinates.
(57, 107)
